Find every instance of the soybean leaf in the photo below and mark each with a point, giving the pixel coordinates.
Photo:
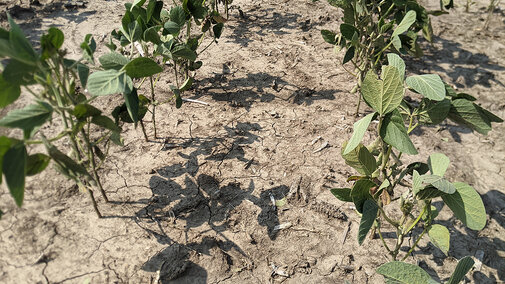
(349, 54)
(405, 24)
(151, 34)
(465, 112)
(132, 105)
(113, 60)
(138, 3)
(360, 128)
(187, 84)
(28, 118)
(183, 51)
(142, 67)
(9, 92)
(440, 237)
(360, 192)
(83, 111)
(329, 36)
(343, 194)
(417, 182)
(397, 61)
(428, 85)
(20, 47)
(433, 112)
(109, 82)
(36, 163)
(14, 169)
(397, 43)
(19, 73)
(83, 72)
(360, 159)
(369, 215)
(66, 165)
(171, 28)
(383, 95)
(218, 30)
(404, 273)
(439, 183)
(116, 138)
(348, 31)
(464, 265)
(51, 42)
(467, 206)
(89, 47)
(105, 122)
(5, 144)
(178, 15)
(428, 192)
(394, 133)
(438, 164)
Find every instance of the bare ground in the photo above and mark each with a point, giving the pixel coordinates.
(196, 204)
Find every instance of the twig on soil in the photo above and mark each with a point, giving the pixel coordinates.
(324, 145)
(346, 231)
(195, 101)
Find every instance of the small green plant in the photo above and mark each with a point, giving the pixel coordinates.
(58, 103)
(370, 29)
(383, 180)
(151, 35)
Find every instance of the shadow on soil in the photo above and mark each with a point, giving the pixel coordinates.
(469, 241)
(465, 68)
(262, 87)
(201, 204)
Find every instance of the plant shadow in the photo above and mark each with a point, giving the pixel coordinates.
(261, 86)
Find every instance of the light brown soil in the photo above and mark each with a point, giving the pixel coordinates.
(273, 86)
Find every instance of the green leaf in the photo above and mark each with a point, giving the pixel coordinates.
(343, 194)
(113, 60)
(19, 45)
(187, 84)
(360, 192)
(132, 105)
(178, 15)
(467, 206)
(68, 166)
(109, 82)
(9, 92)
(405, 24)
(439, 183)
(438, 164)
(51, 42)
(348, 31)
(19, 73)
(218, 30)
(142, 67)
(83, 111)
(464, 265)
(329, 36)
(105, 122)
(397, 61)
(151, 34)
(28, 118)
(14, 169)
(440, 237)
(89, 47)
(383, 95)
(172, 28)
(138, 3)
(5, 145)
(404, 273)
(360, 159)
(83, 72)
(465, 112)
(36, 163)
(394, 133)
(369, 214)
(360, 128)
(183, 51)
(417, 182)
(433, 112)
(428, 192)
(349, 54)
(428, 85)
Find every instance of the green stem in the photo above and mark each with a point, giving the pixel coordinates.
(415, 243)
(154, 106)
(91, 157)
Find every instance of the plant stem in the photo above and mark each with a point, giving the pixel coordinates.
(382, 239)
(93, 202)
(415, 243)
(154, 106)
(91, 157)
(144, 130)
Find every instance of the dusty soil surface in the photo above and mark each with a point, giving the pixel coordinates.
(195, 206)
